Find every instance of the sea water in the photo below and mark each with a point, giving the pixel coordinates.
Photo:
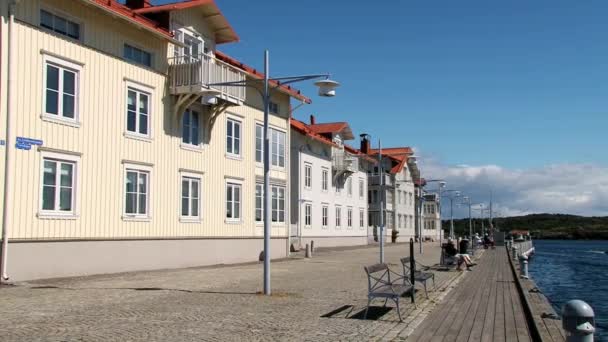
(565, 270)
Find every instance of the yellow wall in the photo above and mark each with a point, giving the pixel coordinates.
(103, 147)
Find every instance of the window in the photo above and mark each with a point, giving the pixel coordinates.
(273, 107)
(59, 24)
(307, 176)
(349, 217)
(361, 188)
(349, 186)
(61, 88)
(325, 214)
(233, 137)
(278, 203)
(411, 200)
(58, 183)
(191, 197)
(259, 201)
(192, 46)
(138, 112)
(259, 143)
(338, 216)
(137, 55)
(307, 214)
(277, 146)
(136, 192)
(399, 196)
(233, 202)
(324, 179)
(191, 128)
(361, 218)
(369, 197)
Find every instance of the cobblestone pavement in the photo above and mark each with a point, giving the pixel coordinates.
(218, 303)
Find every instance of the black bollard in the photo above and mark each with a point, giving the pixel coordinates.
(412, 267)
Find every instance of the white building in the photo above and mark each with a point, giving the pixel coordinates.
(328, 185)
(431, 219)
(398, 195)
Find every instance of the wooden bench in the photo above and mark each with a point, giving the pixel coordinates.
(419, 276)
(380, 286)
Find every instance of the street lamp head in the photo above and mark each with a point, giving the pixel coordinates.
(442, 184)
(327, 87)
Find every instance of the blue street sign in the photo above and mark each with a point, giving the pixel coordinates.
(23, 146)
(29, 141)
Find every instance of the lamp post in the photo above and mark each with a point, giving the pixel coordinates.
(419, 207)
(382, 193)
(453, 195)
(327, 88)
(467, 200)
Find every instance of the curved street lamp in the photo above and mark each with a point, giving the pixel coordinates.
(327, 88)
(454, 194)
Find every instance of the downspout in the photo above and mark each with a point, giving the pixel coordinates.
(8, 151)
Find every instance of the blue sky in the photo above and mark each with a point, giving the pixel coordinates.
(522, 85)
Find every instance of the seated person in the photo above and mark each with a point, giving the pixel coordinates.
(463, 259)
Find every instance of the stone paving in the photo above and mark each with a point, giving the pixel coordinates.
(219, 303)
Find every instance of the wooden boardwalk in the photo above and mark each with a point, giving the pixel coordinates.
(485, 306)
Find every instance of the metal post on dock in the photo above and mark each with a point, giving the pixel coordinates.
(578, 320)
(523, 265)
(514, 252)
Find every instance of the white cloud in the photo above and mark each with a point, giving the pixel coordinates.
(578, 189)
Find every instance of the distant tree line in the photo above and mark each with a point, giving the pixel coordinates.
(545, 226)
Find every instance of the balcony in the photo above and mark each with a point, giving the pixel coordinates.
(344, 164)
(191, 75)
(374, 179)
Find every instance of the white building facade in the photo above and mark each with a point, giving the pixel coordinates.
(329, 186)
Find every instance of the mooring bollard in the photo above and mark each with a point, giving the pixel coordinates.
(307, 253)
(523, 266)
(514, 252)
(578, 320)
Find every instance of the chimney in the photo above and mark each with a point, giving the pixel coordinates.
(364, 144)
(137, 4)
(313, 121)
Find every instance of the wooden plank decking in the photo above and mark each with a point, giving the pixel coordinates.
(485, 306)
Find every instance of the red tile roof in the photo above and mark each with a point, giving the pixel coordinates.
(398, 154)
(295, 93)
(334, 127)
(306, 130)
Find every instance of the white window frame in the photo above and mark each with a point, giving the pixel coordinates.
(338, 217)
(62, 64)
(140, 48)
(196, 178)
(138, 88)
(361, 188)
(324, 215)
(234, 184)
(261, 208)
(65, 16)
(349, 217)
(234, 141)
(278, 211)
(201, 130)
(274, 145)
(349, 186)
(361, 218)
(307, 214)
(307, 175)
(58, 214)
(324, 179)
(139, 168)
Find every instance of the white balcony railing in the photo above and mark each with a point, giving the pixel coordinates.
(194, 74)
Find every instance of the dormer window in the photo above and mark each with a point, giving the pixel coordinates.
(193, 45)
